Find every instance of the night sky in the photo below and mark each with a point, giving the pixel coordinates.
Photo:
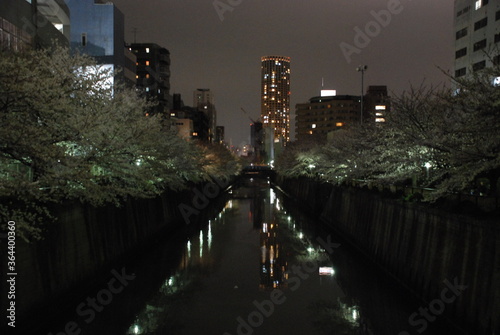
(222, 50)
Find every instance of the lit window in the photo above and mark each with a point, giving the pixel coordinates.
(147, 50)
(147, 89)
(313, 126)
(147, 63)
(380, 107)
(339, 124)
(147, 75)
(479, 4)
(379, 119)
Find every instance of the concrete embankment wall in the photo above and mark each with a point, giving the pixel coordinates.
(84, 243)
(422, 247)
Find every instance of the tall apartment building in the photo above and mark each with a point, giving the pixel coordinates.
(477, 35)
(33, 24)
(203, 100)
(220, 134)
(202, 97)
(153, 74)
(98, 30)
(275, 96)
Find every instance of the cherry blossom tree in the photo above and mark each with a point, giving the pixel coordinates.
(447, 139)
(67, 134)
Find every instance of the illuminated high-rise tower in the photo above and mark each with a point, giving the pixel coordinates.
(275, 96)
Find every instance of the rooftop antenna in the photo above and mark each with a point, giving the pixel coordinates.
(134, 30)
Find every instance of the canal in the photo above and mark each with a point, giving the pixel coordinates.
(256, 265)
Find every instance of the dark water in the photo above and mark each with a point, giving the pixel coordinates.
(258, 267)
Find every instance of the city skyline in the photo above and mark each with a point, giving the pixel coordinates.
(123, 214)
(409, 42)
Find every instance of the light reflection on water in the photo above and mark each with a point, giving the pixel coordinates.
(283, 247)
(258, 244)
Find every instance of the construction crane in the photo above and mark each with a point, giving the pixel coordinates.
(245, 112)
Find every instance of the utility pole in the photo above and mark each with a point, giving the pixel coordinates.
(362, 69)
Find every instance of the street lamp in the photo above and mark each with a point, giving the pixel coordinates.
(427, 167)
(362, 69)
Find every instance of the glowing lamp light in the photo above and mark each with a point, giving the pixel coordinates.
(328, 93)
(326, 271)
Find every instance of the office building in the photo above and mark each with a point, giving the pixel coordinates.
(477, 35)
(199, 119)
(153, 74)
(376, 104)
(33, 24)
(323, 114)
(275, 96)
(184, 127)
(97, 30)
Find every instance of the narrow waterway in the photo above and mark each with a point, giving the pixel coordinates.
(259, 266)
